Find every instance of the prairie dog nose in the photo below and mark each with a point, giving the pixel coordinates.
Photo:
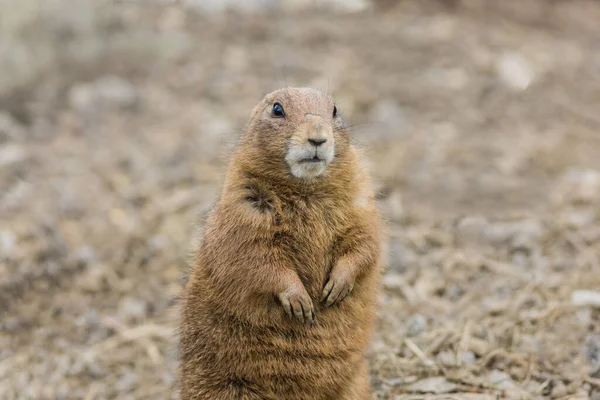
(318, 130)
(317, 141)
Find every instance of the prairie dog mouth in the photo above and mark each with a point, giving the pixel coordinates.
(314, 159)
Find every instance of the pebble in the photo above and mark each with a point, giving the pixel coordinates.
(249, 6)
(559, 390)
(515, 71)
(478, 346)
(592, 350)
(524, 232)
(447, 358)
(12, 154)
(92, 280)
(578, 186)
(470, 229)
(467, 358)
(578, 218)
(393, 206)
(391, 122)
(586, 298)
(133, 308)
(110, 90)
(435, 385)
(393, 281)
(400, 256)
(126, 382)
(9, 128)
(501, 379)
(416, 325)
(7, 241)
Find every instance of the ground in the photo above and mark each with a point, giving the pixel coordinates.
(481, 126)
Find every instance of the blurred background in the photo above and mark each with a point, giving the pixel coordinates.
(481, 121)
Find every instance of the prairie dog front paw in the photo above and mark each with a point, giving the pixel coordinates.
(297, 303)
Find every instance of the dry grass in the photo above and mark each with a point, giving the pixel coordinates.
(482, 134)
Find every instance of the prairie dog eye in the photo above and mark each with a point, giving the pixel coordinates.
(334, 111)
(278, 111)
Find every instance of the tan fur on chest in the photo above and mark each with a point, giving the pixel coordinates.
(310, 229)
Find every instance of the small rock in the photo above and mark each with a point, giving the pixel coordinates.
(63, 391)
(520, 373)
(454, 292)
(349, 6)
(523, 233)
(110, 91)
(173, 18)
(11, 154)
(81, 98)
(447, 358)
(92, 280)
(96, 370)
(578, 186)
(400, 256)
(578, 218)
(443, 27)
(500, 379)
(9, 128)
(116, 91)
(394, 382)
(435, 385)
(393, 205)
(168, 378)
(84, 254)
(585, 298)
(584, 316)
(134, 309)
(530, 344)
(7, 241)
(513, 393)
(416, 324)
(467, 358)
(478, 346)
(580, 394)
(391, 121)
(94, 328)
(558, 390)
(127, 382)
(393, 281)
(470, 229)
(249, 6)
(515, 71)
(592, 351)
(476, 396)
(449, 79)
(217, 6)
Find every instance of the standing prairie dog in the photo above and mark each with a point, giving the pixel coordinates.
(281, 297)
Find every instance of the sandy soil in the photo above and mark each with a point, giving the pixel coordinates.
(481, 122)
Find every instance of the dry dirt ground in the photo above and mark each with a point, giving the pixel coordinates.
(482, 124)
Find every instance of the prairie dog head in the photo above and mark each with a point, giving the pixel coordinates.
(300, 128)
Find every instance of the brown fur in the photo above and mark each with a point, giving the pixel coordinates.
(274, 240)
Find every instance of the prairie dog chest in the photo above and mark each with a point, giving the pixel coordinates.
(312, 214)
(311, 228)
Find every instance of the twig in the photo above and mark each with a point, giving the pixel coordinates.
(137, 333)
(463, 345)
(418, 352)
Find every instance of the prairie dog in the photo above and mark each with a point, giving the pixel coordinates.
(282, 293)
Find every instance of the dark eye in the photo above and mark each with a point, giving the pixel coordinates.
(278, 110)
(334, 111)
